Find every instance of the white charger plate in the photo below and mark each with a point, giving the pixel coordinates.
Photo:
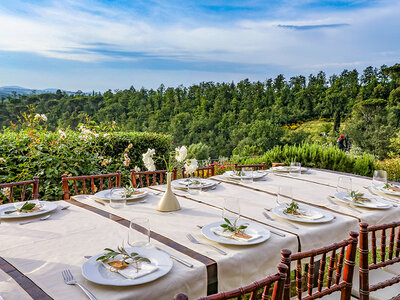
(255, 175)
(105, 195)
(180, 183)
(95, 271)
(326, 217)
(47, 207)
(381, 188)
(287, 169)
(252, 227)
(376, 202)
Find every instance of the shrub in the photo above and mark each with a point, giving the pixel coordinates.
(317, 156)
(391, 166)
(199, 151)
(29, 152)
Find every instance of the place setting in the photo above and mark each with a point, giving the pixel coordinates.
(246, 175)
(288, 210)
(138, 262)
(346, 194)
(232, 230)
(294, 169)
(28, 211)
(119, 196)
(194, 184)
(381, 187)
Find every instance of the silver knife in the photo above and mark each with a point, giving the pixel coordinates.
(183, 262)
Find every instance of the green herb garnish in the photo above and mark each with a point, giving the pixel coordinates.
(292, 208)
(358, 197)
(135, 257)
(25, 208)
(228, 226)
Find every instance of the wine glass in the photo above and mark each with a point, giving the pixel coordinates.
(139, 232)
(295, 169)
(344, 184)
(231, 210)
(194, 187)
(380, 177)
(117, 197)
(284, 195)
(246, 176)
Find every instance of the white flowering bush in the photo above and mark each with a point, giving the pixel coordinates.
(38, 152)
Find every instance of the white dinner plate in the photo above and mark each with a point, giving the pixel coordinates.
(181, 183)
(311, 214)
(381, 188)
(47, 207)
(253, 228)
(375, 203)
(105, 195)
(287, 169)
(96, 272)
(255, 175)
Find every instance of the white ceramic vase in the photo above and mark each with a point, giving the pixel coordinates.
(168, 202)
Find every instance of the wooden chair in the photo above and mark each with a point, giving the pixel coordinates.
(150, 178)
(203, 172)
(80, 182)
(12, 185)
(255, 167)
(338, 287)
(256, 290)
(375, 282)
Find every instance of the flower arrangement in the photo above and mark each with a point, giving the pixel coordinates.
(175, 159)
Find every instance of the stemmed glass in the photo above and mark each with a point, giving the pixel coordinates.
(295, 169)
(117, 197)
(139, 232)
(246, 175)
(344, 184)
(231, 210)
(284, 195)
(380, 177)
(194, 187)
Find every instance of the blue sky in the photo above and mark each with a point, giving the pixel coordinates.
(107, 44)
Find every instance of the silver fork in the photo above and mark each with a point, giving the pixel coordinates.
(193, 240)
(35, 220)
(69, 279)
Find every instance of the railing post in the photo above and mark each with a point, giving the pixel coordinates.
(65, 187)
(349, 263)
(364, 272)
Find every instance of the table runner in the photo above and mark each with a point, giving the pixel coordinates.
(252, 204)
(10, 289)
(43, 260)
(241, 266)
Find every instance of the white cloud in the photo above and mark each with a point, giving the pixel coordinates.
(71, 31)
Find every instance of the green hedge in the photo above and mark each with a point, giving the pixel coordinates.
(46, 154)
(317, 156)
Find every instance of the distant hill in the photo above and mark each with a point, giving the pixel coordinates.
(8, 90)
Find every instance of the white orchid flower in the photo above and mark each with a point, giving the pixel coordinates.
(191, 166)
(181, 154)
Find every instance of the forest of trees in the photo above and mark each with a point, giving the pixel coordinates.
(246, 117)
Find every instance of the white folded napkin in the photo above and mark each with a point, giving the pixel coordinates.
(220, 231)
(373, 203)
(307, 214)
(130, 272)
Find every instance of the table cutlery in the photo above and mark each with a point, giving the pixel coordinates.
(272, 219)
(133, 202)
(176, 258)
(215, 186)
(193, 240)
(69, 279)
(65, 207)
(31, 221)
(87, 256)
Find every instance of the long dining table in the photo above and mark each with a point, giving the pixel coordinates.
(33, 256)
